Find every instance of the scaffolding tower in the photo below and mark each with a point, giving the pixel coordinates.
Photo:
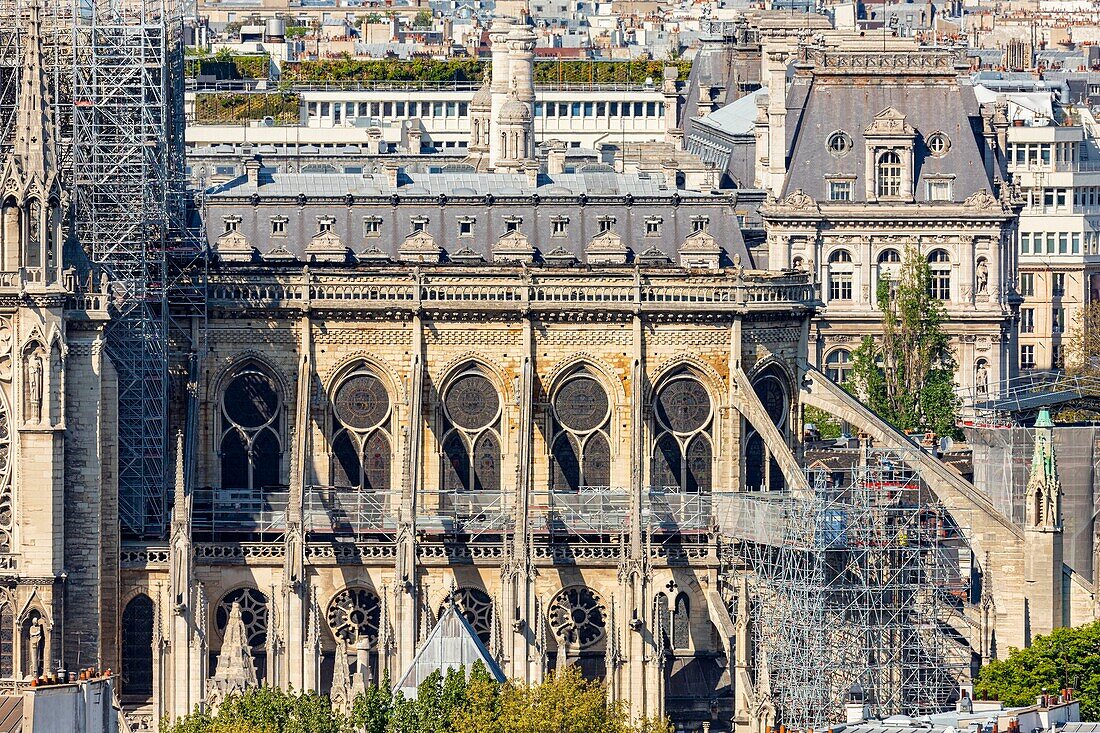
(860, 586)
(129, 212)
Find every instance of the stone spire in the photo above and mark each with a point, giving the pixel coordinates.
(1044, 490)
(33, 155)
(236, 671)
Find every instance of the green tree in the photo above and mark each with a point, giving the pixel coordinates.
(1064, 658)
(423, 19)
(908, 376)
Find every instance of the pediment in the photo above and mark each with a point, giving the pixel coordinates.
(606, 248)
(513, 246)
(559, 257)
(419, 247)
(234, 247)
(700, 250)
(327, 247)
(890, 122)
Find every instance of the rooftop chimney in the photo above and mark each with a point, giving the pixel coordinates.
(252, 168)
(393, 173)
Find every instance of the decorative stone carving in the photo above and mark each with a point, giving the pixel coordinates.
(327, 247)
(513, 247)
(700, 250)
(420, 247)
(982, 200)
(559, 257)
(889, 123)
(234, 247)
(606, 248)
(800, 201)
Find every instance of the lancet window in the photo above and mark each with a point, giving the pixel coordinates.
(251, 440)
(683, 454)
(471, 438)
(361, 424)
(581, 448)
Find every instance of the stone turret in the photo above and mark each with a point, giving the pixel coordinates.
(481, 115)
(32, 198)
(1043, 555)
(514, 133)
(235, 671)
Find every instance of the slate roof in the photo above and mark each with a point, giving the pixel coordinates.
(448, 183)
(817, 108)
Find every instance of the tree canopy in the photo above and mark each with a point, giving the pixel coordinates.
(1064, 658)
(908, 376)
(451, 703)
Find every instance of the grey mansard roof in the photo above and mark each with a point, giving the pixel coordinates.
(465, 217)
(819, 107)
(451, 184)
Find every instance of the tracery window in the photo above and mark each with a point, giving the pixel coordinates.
(680, 626)
(361, 442)
(355, 613)
(7, 641)
(578, 616)
(477, 606)
(137, 646)
(762, 472)
(888, 174)
(253, 605)
(683, 456)
(471, 440)
(251, 443)
(581, 449)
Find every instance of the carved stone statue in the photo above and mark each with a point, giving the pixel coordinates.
(981, 379)
(34, 387)
(34, 646)
(982, 276)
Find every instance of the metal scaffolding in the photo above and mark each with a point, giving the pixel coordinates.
(864, 582)
(128, 205)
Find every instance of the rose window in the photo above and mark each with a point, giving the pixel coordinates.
(578, 616)
(253, 613)
(355, 613)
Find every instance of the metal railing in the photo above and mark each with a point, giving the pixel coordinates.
(261, 510)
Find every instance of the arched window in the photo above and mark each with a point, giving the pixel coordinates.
(477, 606)
(888, 174)
(682, 455)
(7, 642)
(840, 275)
(838, 365)
(137, 647)
(939, 284)
(471, 440)
(681, 623)
(254, 615)
(581, 450)
(762, 471)
(361, 418)
(32, 254)
(251, 444)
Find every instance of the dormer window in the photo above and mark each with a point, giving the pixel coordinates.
(938, 144)
(511, 223)
(888, 174)
(605, 224)
(653, 226)
(372, 226)
(325, 224)
(419, 224)
(839, 143)
(230, 224)
(559, 226)
(278, 226)
(699, 223)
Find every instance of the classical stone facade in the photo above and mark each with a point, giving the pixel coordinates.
(870, 154)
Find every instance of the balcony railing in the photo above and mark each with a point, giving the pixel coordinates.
(335, 511)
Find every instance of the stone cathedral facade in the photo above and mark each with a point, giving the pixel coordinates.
(515, 390)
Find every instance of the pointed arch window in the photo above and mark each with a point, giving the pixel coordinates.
(680, 625)
(471, 439)
(362, 414)
(762, 472)
(251, 442)
(7, 641)
(137, 646)
(581, 447)
(683, 456)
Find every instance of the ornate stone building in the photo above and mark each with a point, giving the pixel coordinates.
(869, 153)
(527, 394)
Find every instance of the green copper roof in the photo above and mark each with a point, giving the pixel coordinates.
(1044, 421)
